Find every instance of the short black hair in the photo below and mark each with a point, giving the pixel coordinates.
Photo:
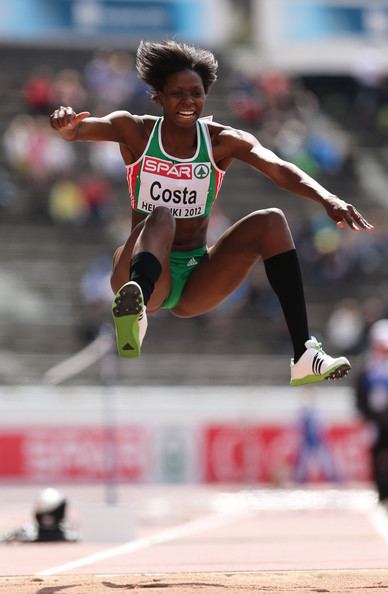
(157, 61)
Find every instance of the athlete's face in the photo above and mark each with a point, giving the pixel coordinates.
(183, 97)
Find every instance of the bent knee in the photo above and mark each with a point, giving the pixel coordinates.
(116, 256)
(116, 279)
(272, 215)
(273, 219)
(182, 312)
(275, 216)
(116, 282)
(161, 215)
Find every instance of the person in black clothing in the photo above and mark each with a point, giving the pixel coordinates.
(49, 523)
(371, 394)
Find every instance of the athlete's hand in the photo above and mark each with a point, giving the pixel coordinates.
(343, 213)
(66, 119)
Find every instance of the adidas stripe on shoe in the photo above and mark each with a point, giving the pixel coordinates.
(315, 365)
(130, 319)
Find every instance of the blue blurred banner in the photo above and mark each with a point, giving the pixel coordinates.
(322, 20)
(41, 19)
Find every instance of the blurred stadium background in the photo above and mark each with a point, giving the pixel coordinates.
(208, 399)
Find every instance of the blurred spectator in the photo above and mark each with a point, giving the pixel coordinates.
(218, 223)
(16, 141)
(8, 191)
(67, 89)
(276, 87)
(290, 144)
(95, 283)
(67, 204)
(289, 120)
(105, 157)
(245, 98)
(375, 307)
(96, 295)
(247, 108)
(111, 80)
(97, 193)
(368, 71)
(96, 73)
(314, 459)
(371, 394)
(33, 150)
(346, 326)
(328, 146)
(37, 91)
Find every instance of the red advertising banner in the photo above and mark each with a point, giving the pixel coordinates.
(220, 452)
(66, 453)
(277, 453)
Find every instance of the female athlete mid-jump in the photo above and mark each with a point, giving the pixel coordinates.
(175, 165)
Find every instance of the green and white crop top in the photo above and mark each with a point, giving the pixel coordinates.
(188, 187)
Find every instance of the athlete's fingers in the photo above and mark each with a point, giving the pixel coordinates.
(72, 119)
(347, 220)
(58, 118)
(66, 117)
(360, 220)
(69, 116)
(55, 120)
(62, 112)
(352, 224)
(81, 116)
(354, 220)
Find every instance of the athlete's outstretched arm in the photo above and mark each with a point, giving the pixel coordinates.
(116, 126)
(245, 147)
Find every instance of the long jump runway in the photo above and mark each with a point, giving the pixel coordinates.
(194, 539)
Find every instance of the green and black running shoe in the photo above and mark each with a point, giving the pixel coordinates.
(130, 319)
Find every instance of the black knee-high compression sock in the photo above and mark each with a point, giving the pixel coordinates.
(285, 277)
(145, 271)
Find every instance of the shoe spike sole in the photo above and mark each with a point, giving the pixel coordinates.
(128, 301)
(339, 373)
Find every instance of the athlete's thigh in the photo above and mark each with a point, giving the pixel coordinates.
(228, 263)
(261, 234)
(121, 271)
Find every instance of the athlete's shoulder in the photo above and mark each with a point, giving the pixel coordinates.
(215, 128)
(135, 131)
(126, 118)
(226, 135)
(230, 143)
(148, 122)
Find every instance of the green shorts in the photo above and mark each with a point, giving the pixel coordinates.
(182, 265)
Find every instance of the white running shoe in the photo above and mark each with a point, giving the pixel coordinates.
(315, 365)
